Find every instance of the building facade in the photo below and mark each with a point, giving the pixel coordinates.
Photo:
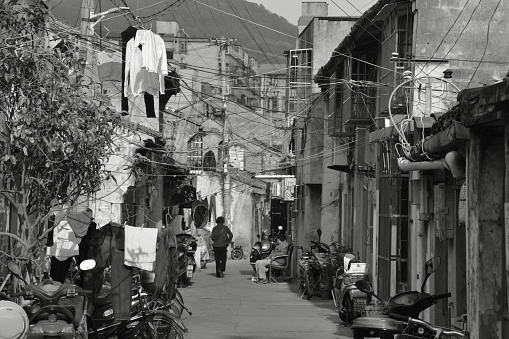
(404, 150)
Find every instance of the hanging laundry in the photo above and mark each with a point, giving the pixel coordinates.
(107, 245)
(145, 67)
(80, 221)
(140, 247)
(65, 242)
(126, 35)
(109, 66)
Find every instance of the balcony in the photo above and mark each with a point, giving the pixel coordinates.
(362, 108)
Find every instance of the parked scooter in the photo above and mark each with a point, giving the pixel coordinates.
(315, 270)
(349, 300)
(427, 330)
(186, 246)
(409, 304)
(146, 320)
(55, 311)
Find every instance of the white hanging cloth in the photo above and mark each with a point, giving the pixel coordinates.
(140, 247)
(146, 64)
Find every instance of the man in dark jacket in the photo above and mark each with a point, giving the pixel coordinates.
(222, 237)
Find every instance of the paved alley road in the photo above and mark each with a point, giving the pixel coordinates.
(235, 307)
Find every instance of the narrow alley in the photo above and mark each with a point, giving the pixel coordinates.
(235, 307)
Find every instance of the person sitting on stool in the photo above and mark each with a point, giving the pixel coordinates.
(280, 249)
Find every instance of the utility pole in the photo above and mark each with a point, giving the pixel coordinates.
(88, 21)
(226, 194)
(87, 33)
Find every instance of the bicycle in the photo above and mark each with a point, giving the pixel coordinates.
(417, 328)
(236, 252)
(146, 321)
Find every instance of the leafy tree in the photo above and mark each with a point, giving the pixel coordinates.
(53, 143)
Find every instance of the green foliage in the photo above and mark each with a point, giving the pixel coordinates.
(53, 143)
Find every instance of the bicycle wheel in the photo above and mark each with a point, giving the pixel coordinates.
(157, 325)
(237, 254)
(309, 286)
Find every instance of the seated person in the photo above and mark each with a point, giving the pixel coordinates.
(280, 249)
(253, 257)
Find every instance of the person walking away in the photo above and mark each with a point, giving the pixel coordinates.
(261, 265)
(222, 237)
(201, 256)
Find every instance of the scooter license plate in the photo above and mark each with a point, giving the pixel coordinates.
(190, 271)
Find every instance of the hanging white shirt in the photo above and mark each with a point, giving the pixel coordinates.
(146, 64)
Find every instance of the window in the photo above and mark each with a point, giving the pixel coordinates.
(274, 104)
(195, 152)
(183, 47)
(291, 106)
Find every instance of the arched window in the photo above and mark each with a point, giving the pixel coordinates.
(209, 161)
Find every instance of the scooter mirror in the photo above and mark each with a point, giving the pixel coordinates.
(13, 267)
(432, 265)
(87, 265)
(363, 286)
(280, 228)
(319, 231)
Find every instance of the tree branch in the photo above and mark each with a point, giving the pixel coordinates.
(15, 237)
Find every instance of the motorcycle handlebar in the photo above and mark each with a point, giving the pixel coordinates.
(19, 294)
(442, 296)
(81, 291)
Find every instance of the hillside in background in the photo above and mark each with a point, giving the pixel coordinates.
(204, 18)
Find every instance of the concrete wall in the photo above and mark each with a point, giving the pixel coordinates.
(485, 233)
(311, 169)
(327, 34)
(439, 37)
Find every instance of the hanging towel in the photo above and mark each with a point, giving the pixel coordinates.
(140, 247)
(65, 242)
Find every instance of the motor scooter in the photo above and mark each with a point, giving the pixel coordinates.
(315, 268)
(409, 304)
(147, 317)
(349, 300)
(186, 247)
(54, 310)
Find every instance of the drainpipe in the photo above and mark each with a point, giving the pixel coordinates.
(453, 161)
